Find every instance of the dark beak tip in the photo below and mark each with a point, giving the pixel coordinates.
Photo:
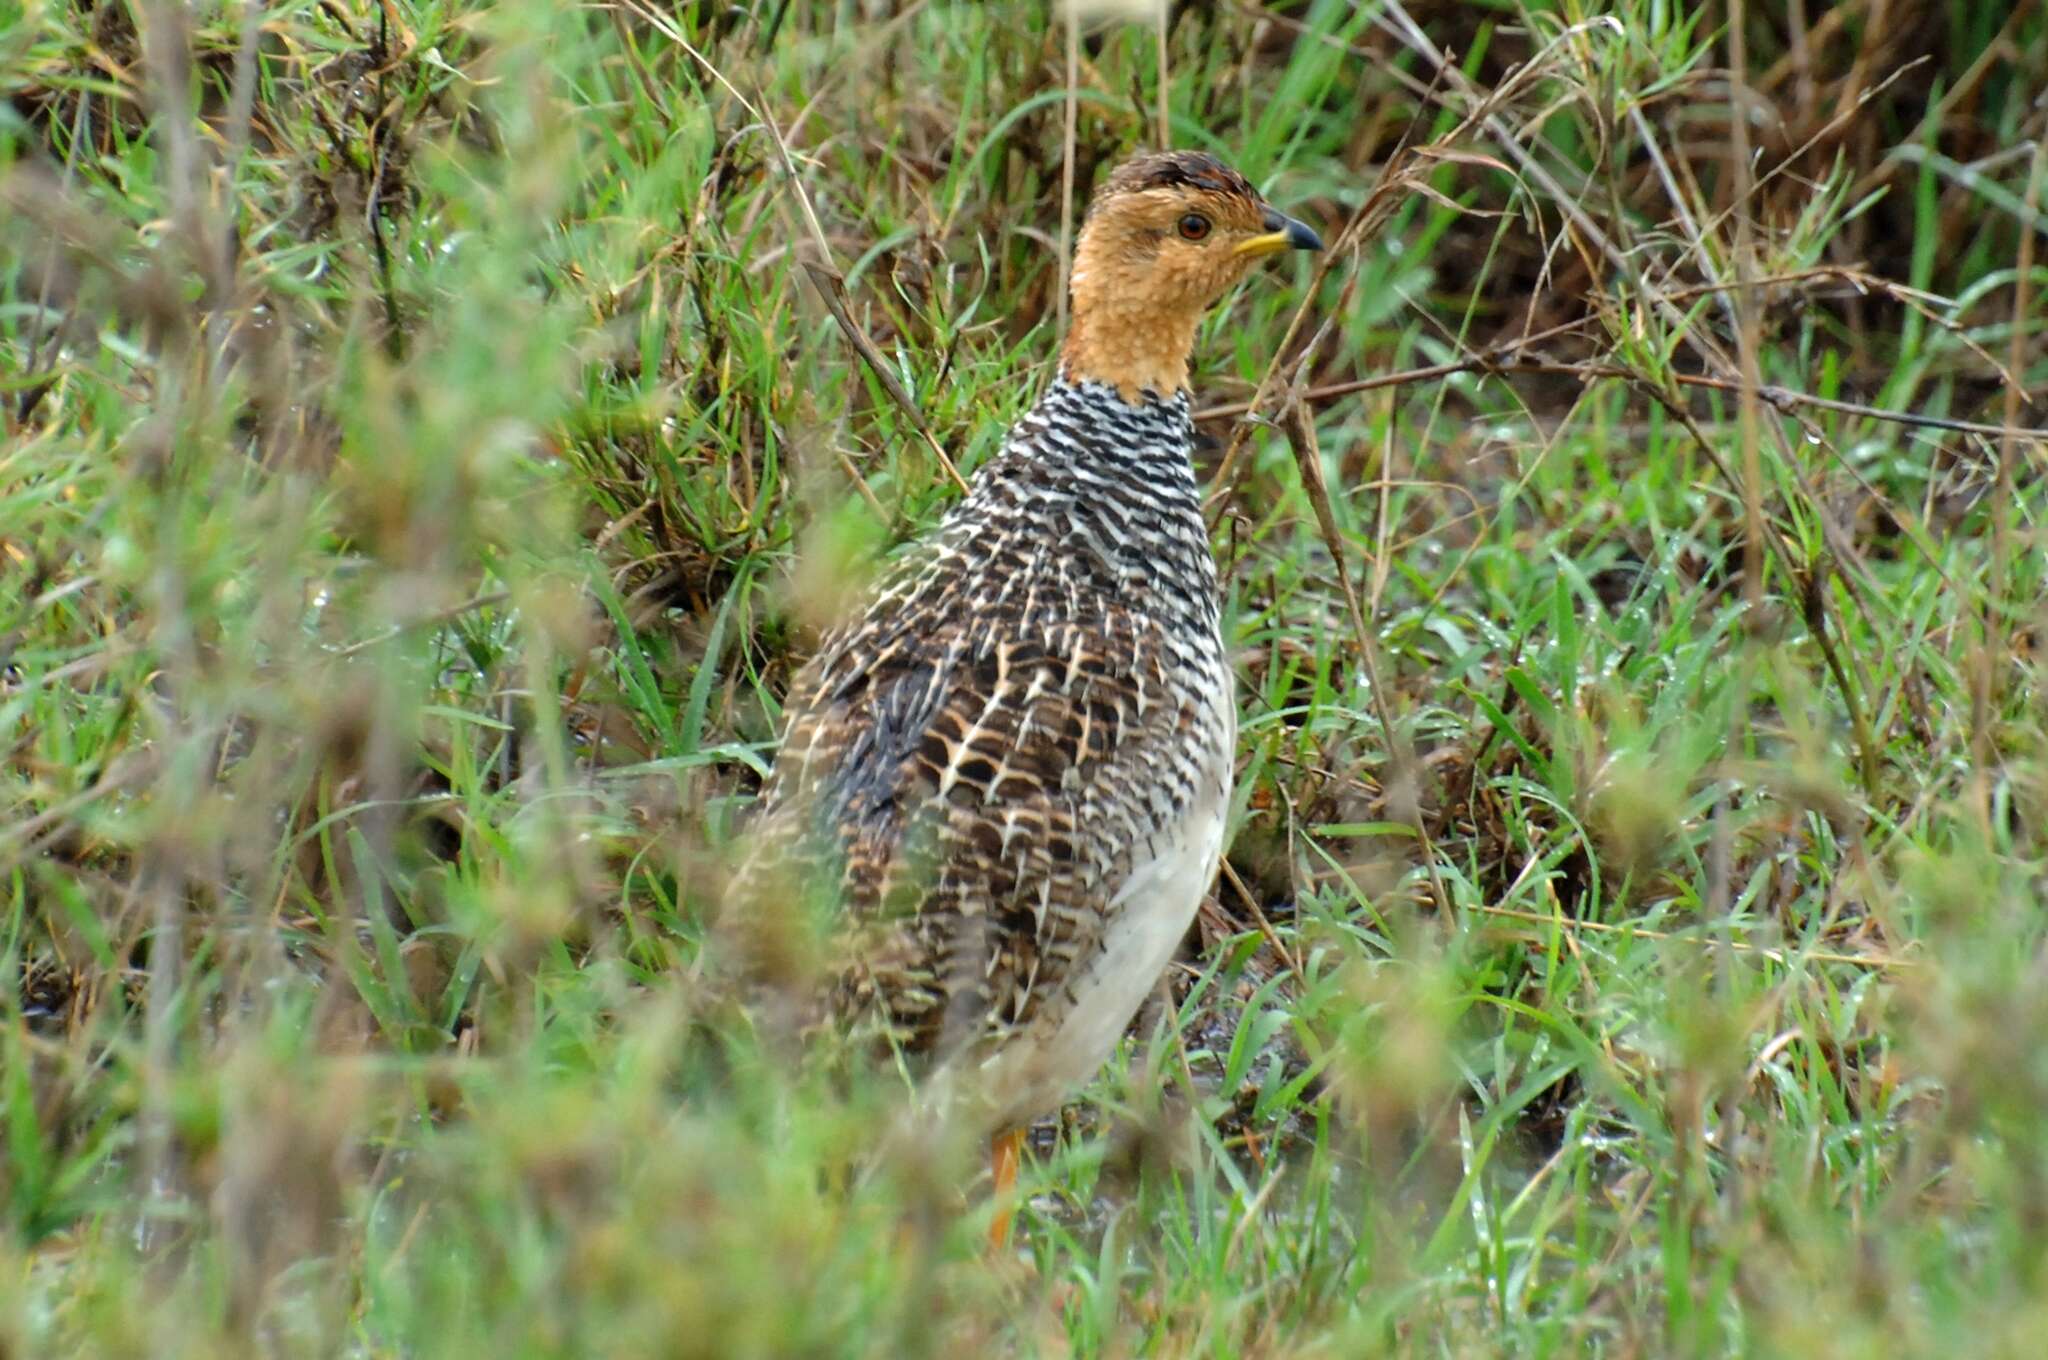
(1300, 235)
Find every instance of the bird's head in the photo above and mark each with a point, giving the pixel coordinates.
(1166, 236)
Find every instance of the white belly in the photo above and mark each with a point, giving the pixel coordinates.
(1145, 923)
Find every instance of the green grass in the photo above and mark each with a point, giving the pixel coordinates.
(426, 461)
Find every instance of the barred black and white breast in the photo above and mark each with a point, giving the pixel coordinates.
(1012, 768)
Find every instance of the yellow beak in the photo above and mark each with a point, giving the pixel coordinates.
(1282, 233)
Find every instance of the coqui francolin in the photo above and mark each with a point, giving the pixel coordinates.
(1010, 769)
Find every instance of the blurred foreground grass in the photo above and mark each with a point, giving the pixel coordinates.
(425, 460)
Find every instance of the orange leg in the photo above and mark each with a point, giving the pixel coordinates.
(1004, 1151)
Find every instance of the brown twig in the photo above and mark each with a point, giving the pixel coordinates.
(439, 616)
(1068, 140)
(1963, 88)
(1165, 91)
(1813, 604)
(831, 286)
(1499, 359)
(125, 771)
(1301, 437)
(1994, 605)
(1265, 925)
(1784, 398)
(1376, 208)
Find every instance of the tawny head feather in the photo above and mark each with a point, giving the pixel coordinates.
(1166, 236)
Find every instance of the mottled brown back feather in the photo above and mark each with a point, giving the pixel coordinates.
(971, 765)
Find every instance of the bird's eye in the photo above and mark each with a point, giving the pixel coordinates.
(1193, 227)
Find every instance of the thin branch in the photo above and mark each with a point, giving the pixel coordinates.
(124, 772)
(1071, 114)
(1378, 206)
(1813, 604)
(1301, 436)
(1165, 103)
(439, 616)
(1495, 362)
(831, 286)
(1265, 925)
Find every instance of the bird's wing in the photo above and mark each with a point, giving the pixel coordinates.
(958, 779)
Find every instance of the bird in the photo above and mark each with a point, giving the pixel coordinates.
(1008, 772)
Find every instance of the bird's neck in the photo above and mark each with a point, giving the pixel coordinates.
(1087, 422)
(1139, 351)
(1105, 487)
